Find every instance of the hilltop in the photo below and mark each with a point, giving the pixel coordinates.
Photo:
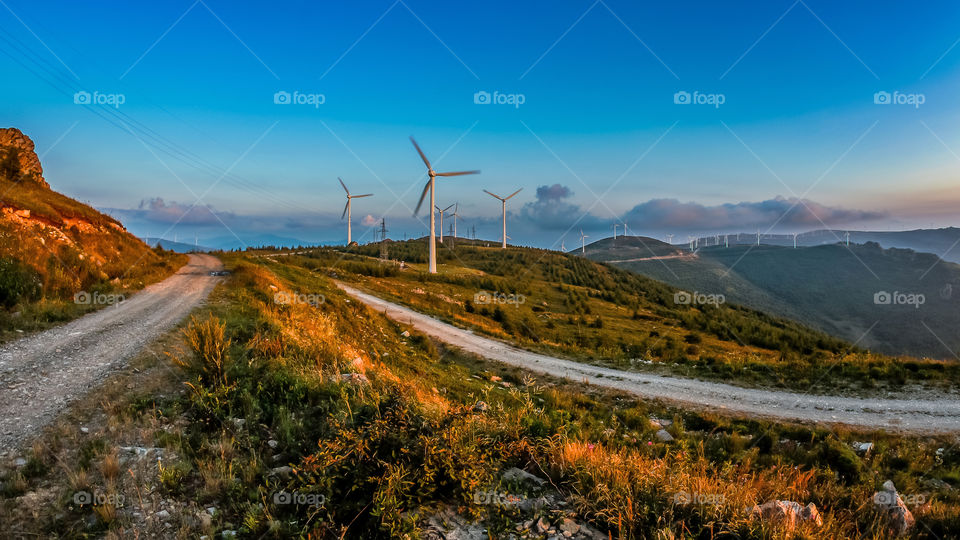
(572, 307)
(53, 247)
(830, 287)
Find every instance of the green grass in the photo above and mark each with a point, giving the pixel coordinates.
(576, 308)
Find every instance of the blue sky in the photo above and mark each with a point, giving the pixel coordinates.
(797, 81)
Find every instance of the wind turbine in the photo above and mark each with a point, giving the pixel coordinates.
(431, 188)
(624, 229)
(848, 238)
(615, 231)
(726, 241)
(455, 215)
(583, 245)
(563, 246)
(670, 239)
(690, 239)
(758, 237)
(503, 201)
(441, 212)
(348, 209)
(794, 240)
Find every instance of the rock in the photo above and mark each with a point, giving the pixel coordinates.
(239, 422)
(863, 447)
(542, 525)
(888, 502)
(84, 430)
(405, 334)
(522, 476)
(12, 139)
(481, 406)
(19, 462)
(354, 378)
(569, 527)
(229, 533)
(661, 421)
(664, 436)
(162, 515)
(282, 472)
(272, 443)
(787, 512)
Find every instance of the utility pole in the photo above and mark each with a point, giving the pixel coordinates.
(383, 239)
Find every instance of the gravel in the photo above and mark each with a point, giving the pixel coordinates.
(43, 373)
(929, 413)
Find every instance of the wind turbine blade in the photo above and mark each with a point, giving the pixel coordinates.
(447, 208)
(419, 151)
(422, 195)
(344, 186)
(492, 195)
(460, 173)
(345, 209)
(515, 192)
(364, 195)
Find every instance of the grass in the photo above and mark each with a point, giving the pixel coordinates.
(402, 437)
(567, 306)
(56, 252)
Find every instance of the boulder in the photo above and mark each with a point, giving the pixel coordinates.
(13, 140)
(664, 436)
(889, 503)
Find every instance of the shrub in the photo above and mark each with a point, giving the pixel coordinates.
(18, 282)
(206, 340)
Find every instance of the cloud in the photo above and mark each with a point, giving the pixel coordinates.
(785, 213)
(159, 211)
(369, 220)
(552, 212)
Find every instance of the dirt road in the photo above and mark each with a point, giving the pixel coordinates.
(42, 373)
(912, 415)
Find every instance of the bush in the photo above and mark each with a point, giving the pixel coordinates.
(18, 282)
(206, 340)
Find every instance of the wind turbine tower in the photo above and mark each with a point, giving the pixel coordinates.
(583, 244)
(441, 212)
(432, 189)
(503, 203)
(670, 239)
(348, 209)
(794, 240)
(615, 231)
(848, 238)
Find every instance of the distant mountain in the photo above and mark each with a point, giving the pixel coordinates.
(626, 248)
(179, 247)
(231, 242)
(895, 301)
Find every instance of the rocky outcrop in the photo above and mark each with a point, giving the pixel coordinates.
(12, 140)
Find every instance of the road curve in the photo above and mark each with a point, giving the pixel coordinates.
(904, 415)
(42, 373)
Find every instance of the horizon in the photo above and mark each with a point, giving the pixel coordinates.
(610, 113)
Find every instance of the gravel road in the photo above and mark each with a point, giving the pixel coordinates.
(42, 373)
(906, 415)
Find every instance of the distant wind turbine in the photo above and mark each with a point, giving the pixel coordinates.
(794, 240)
(432, 189)
(503, 202)
(670, 239)
(615, 231)
(583, 245)
(348, 209)
(441, 212)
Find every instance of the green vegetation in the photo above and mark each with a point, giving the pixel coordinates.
(573, 307)
(832, 288)
(53, 247)
(386, 431)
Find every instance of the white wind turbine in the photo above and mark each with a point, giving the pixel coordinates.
(347, 210)
(441, 212)
(624, 229)
(563, 246)
(690, 239)
(726, 241)
(794, 240)
(503, 202)
(432, 245)
(456, 216)
(670, 239)
(848, 238)
(615, 230)
(758, 237)
(583, 244)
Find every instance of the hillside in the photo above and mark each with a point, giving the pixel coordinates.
(572, 307)
(832, 288)
(53, 247)
(629, 248)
